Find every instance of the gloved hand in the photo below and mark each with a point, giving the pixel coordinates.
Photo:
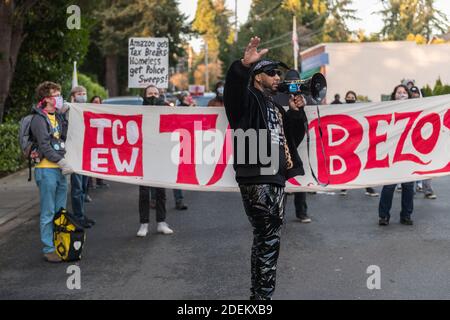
(66, 168)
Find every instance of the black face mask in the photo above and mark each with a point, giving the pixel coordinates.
(151, 101)
(350, 101)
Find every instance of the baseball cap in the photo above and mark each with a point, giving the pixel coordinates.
(267, 65)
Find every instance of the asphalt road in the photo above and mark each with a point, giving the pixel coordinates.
(208, 256)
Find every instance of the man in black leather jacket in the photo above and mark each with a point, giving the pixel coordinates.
(250, 86)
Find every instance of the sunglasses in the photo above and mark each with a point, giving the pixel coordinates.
(273, 72)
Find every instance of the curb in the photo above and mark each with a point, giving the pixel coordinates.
(24, 212)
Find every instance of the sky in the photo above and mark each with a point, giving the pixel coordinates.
(369, 22)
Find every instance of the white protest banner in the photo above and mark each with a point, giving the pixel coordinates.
(148, 62)
(190, 148)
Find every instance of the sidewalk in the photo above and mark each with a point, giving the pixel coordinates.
(18, 197)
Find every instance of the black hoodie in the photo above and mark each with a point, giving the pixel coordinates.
(41, 132)
(246, 108)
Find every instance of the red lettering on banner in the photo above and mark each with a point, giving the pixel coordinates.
(425, 146)
(227, 152)
(399, 156)
(112, 144)
(374, 140)
(185, 122)
(447, 119)
(341, 151)
(294, 182)
(446, 168)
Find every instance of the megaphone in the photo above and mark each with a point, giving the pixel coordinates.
(314, 87)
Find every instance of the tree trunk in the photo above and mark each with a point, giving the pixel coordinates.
(6, 25)
(111, 75)
(11, 33)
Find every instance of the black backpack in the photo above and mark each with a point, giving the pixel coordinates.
(26, 141)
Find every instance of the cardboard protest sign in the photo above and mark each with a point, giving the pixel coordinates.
(148, 62)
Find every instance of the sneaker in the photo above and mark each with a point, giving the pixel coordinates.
(88, 198)
(52, 257)
(371, 193)
(406, 221)
(343, 192)
(180, 205)
(89, 221)
(163, 228)
(430, 196)
(86, 223)
(143, 230)
(304, 218)
(419, 188)
(383, 222)
(152, 204)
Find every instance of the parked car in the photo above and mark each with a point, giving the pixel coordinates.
(170, 98)
(130, 100)
(202, 101)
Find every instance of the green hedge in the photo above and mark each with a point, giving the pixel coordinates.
(10, 154)
(439, 89)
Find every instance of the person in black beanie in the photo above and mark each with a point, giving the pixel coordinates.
(151, 98)
(250, 86)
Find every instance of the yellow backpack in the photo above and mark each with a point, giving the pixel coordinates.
(68, 236)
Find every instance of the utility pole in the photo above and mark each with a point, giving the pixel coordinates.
(206, 67)
(295, 41)
(235, 22)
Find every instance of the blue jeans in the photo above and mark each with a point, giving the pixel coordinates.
(53, 196)
(387, 194)
(177, 194)
(78, 191)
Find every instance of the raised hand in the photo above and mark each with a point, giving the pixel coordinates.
(251, 54)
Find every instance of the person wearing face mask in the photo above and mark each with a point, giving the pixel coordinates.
(49, 131)
(185, 100)
(78, 182)
(400, 92)
(218, 100)
(425, 185)
(351, 97)
(151, 98)
(99, 183)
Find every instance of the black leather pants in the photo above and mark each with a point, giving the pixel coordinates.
(264, 205)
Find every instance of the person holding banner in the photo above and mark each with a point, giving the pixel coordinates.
(250, 85)
(99, 183)
(151, 98)
(48, 129)
(401, 92)
(78, 182)
(425, 185)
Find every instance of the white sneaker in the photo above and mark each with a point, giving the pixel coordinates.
(143, 230)
(163, 228)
